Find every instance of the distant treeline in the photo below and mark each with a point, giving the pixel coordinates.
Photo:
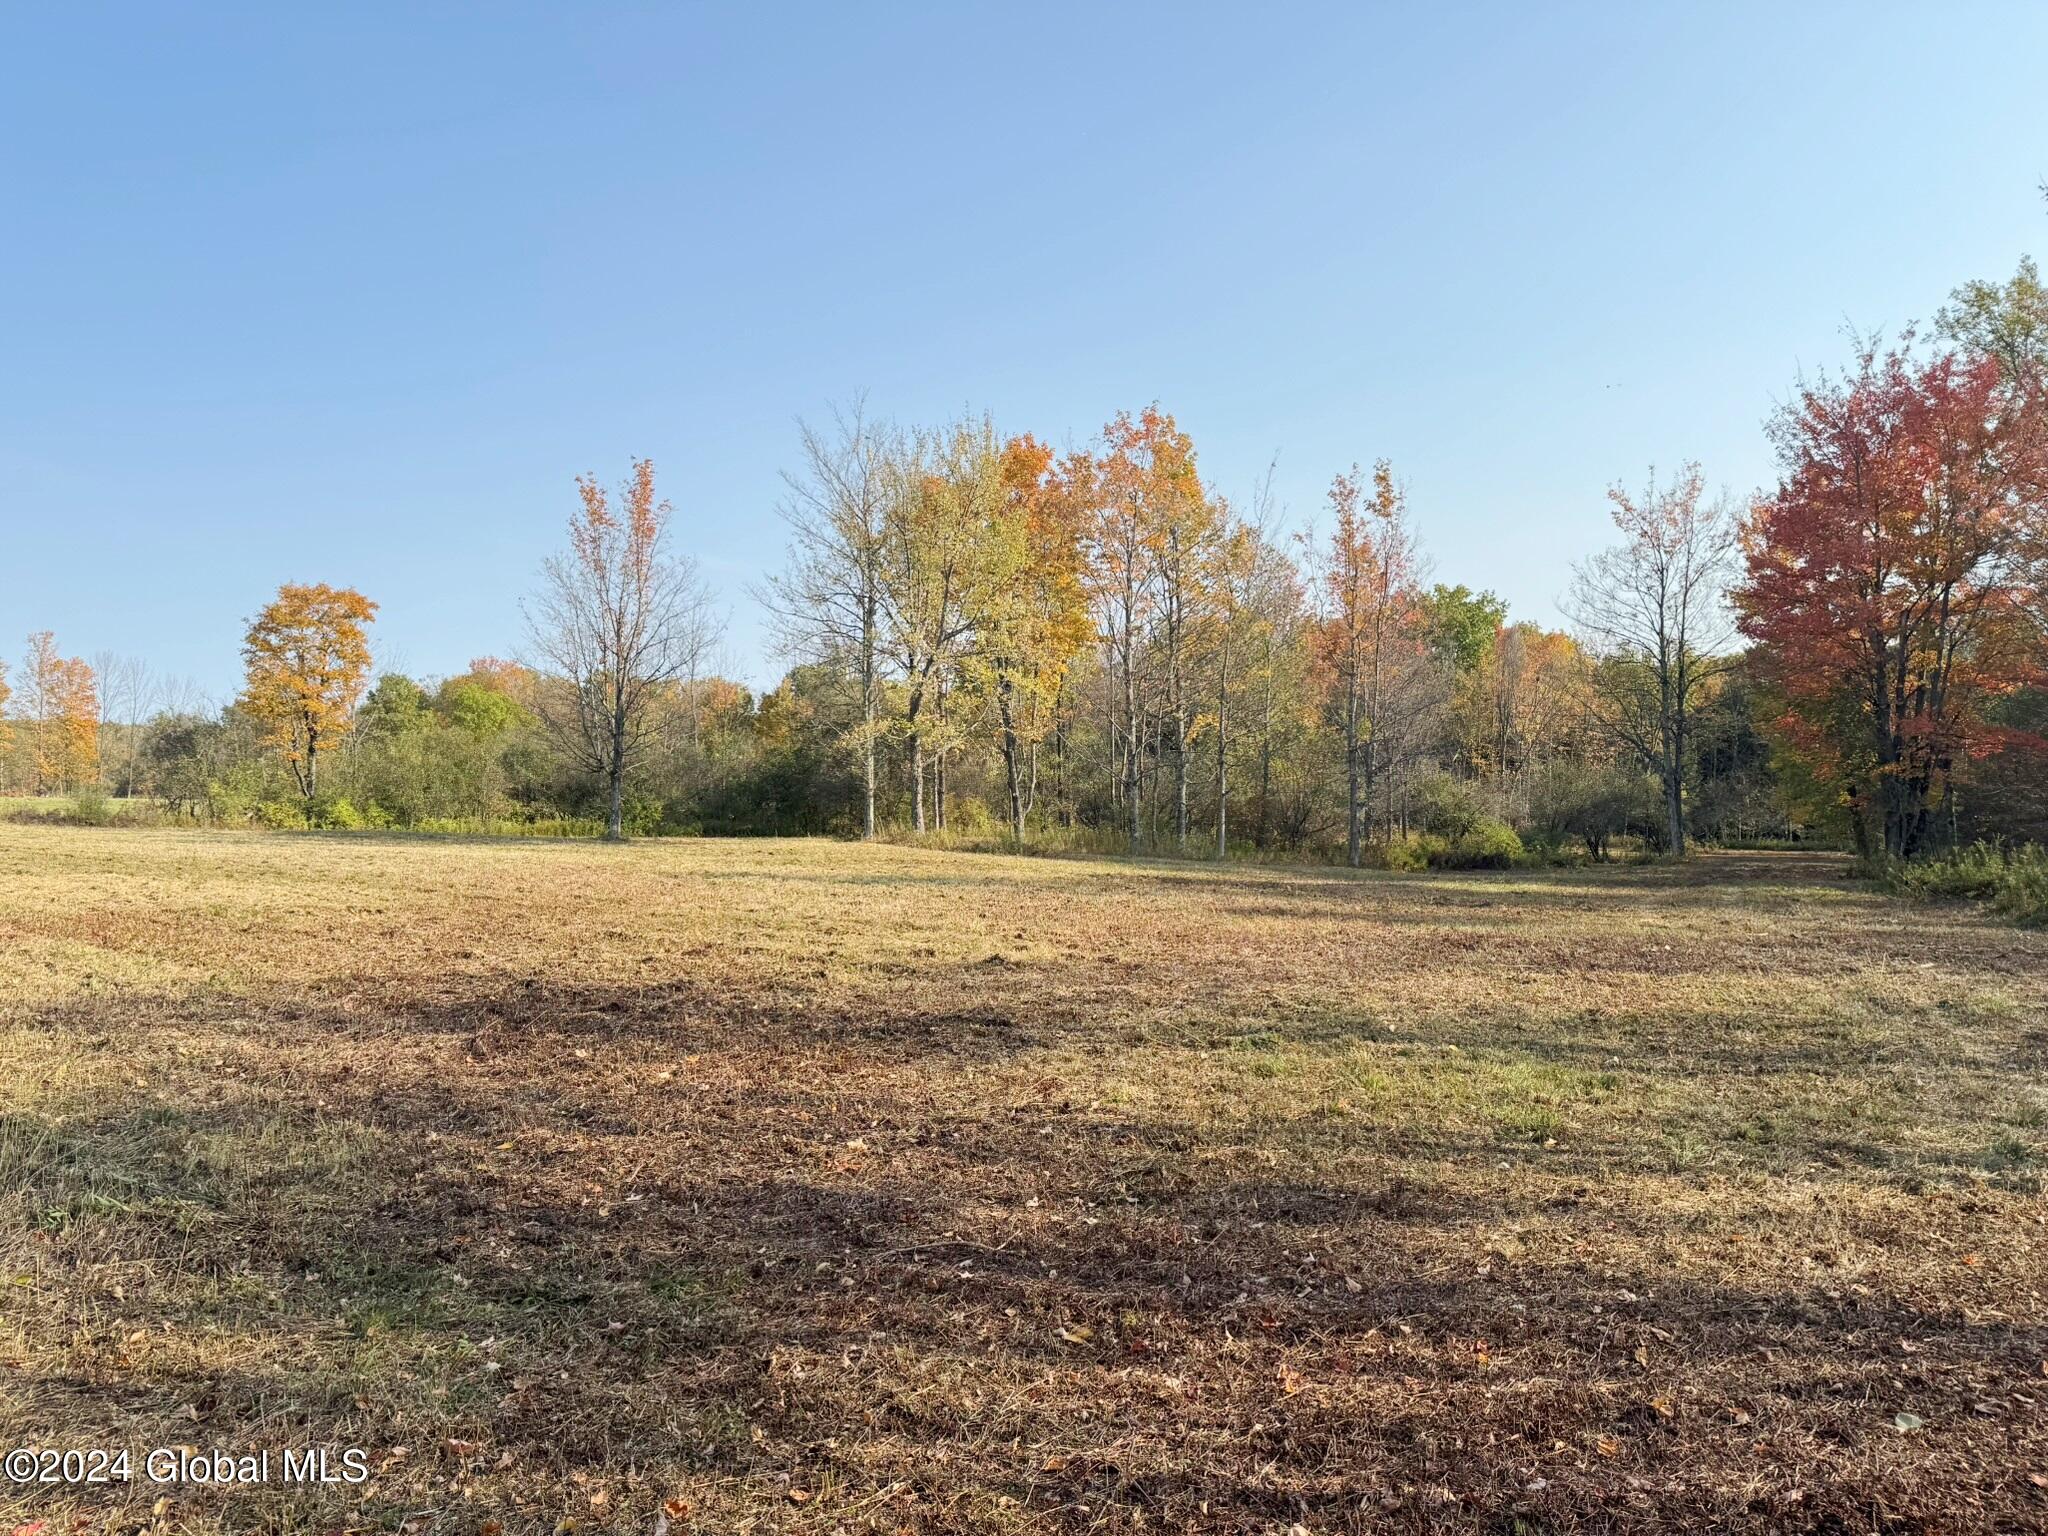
(990, 641)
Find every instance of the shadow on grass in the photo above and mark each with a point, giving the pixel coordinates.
(837, 1260)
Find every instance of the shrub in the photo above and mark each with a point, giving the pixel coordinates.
(2024, 895)
(333, 812)
(235, 796)
(1447, 807)
(280, 815)
(2015, 881)
(1592, 805)
(1411, 853)
(1488, 845)
(970, 817)
(89, 807)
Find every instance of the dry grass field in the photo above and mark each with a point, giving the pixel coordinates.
(800, 1186)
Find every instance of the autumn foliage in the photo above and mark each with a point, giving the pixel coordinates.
(1888, 580)
(307, 660)
(1368, 610)
(59, 709)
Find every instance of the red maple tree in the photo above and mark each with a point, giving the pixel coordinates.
(1888, 581)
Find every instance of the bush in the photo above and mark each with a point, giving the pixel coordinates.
(968, 816)
(333, 812)
(2024, 896)
(2015, 881)
(1448, 807)
(1487, 844)
(1412, 853)
(1591, 805)
(280, 815)
(89, 808)
(235, 796)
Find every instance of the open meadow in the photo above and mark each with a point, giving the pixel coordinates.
(812, 1186)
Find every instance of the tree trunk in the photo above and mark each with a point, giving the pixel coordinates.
(1351, 806)
(615, 810)
(1010, 760)
(1131, 756)
(1351, 796)
(1222, 774)
(867, 704)
(1180, 779)
(916, 779)
(916, 750)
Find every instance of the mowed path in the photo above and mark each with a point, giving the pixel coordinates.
(808, 1186)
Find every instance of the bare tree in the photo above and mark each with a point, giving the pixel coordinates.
(1653, 614)
(124, 685)
(827, 605)
(619, 621)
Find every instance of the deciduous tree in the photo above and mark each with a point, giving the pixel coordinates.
(1143, 480)
(60, 713)
(1030, 618)
(1889, 580)
(619, 617)
(1651, 611)
(1366, 566)
(950, 493)
(306, 658)
(827, 602)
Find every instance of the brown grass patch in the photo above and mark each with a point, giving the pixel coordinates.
(804, 1186)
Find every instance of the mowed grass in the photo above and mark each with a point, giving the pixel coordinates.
(806, 1186)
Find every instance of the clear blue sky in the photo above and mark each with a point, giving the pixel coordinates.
(350, 292)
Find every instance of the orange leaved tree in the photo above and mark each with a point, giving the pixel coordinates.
(1140, 488)
(307, 659)
(1366, 570)
(61, 710)
(1029, 611)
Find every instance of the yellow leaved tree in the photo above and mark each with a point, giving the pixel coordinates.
(60, 707)
(307, 661)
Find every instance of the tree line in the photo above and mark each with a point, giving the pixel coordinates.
(988, 639)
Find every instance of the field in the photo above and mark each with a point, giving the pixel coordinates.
(765, 1186)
